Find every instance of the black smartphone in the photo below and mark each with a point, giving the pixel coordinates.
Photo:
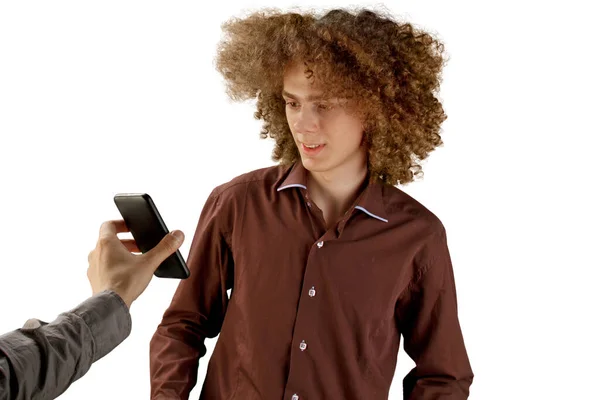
(148, 228)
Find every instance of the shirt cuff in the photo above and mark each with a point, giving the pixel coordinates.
(109, 320)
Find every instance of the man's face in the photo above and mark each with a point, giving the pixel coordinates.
(327, 135)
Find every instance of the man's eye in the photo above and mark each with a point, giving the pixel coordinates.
(291, 104)
(324, 106)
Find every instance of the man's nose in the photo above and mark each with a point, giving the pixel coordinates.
(306, 121)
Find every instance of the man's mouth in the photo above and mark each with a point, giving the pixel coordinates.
(311, 149)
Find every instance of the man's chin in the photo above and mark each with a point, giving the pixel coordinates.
(310, 164)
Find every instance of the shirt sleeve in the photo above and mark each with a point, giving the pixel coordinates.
(432, 335)
(198, 307)
(41, 360)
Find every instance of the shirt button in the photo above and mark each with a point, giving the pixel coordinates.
(295, 397)
(320, 244)
(32, 323)
(312, 292)
(303, 345)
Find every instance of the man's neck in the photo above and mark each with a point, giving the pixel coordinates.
(335, 191)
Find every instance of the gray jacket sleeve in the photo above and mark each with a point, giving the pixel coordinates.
(40, 361)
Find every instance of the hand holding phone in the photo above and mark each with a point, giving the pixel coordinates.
(148, 228)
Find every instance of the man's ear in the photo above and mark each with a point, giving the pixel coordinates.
(364, 141)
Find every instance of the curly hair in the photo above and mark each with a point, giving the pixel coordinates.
(392, 70)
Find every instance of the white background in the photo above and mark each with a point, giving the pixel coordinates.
(98, 98)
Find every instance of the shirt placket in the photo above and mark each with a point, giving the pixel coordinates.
(306, 327)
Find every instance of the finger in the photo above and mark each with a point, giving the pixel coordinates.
(167, 246)
(130, 245)
(111, 228)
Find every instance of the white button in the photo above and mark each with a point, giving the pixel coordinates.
(303, 345)
(320, 244)
(32, 324)
(295, 397)
(312, 292)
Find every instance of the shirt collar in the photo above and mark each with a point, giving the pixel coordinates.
(370, 201)
(296, 177)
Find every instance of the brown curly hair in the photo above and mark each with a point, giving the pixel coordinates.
(392, 71)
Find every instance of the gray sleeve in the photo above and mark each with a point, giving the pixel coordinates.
(40, 361)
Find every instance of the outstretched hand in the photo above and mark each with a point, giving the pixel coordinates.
(112, 266)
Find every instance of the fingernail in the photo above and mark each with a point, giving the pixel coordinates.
(177, 235)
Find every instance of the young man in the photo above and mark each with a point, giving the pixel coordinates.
(329, 263)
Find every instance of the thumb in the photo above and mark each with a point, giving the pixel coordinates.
(167, 246)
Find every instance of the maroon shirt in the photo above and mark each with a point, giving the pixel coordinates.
(314, 313)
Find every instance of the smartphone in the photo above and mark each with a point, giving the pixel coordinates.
(148, 228)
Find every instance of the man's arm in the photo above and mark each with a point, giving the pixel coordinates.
(432, 334)
(198, 307)
(40, 361)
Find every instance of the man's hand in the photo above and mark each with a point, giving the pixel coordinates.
(112, 266)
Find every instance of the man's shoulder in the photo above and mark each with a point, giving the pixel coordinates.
(400, 205)
(265, 177)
